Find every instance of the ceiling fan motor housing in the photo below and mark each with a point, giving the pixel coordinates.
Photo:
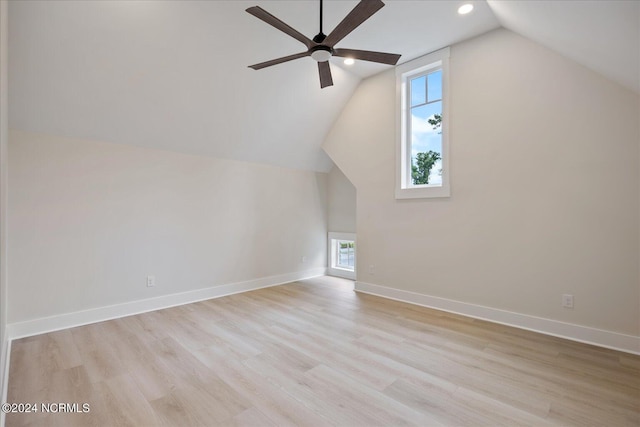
(319, 38)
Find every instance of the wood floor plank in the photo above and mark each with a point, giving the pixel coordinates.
(97, 355)
(154, 378)
(277, 405)
(169, 412)
(251, 418)
(315, 353)
(315, 397)
(385, 412)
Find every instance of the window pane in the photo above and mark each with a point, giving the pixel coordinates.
(418, 91)
(346, 254)
(426, 144)
(434, 85)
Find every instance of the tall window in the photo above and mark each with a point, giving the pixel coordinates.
(422, 140)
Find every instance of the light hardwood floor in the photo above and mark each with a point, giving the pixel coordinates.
(316, 353)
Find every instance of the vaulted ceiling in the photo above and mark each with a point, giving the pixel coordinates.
(173, 74)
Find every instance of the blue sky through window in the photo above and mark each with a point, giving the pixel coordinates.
(434, 85)
(418, 91)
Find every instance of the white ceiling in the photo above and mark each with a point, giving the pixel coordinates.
(601, 35)
(173, 74)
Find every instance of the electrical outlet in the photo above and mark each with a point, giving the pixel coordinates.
(567, 301)
(151, 281)
(303, 258)
(372, 269)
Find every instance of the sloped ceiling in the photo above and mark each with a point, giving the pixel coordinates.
(601, 35)
(173, 74)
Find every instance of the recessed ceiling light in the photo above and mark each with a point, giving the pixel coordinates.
(349, 61)
(465, 8)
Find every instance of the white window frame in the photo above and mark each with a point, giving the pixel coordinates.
(332, 256)
(404, 73)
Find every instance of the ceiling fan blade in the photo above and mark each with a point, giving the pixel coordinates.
(279, 60)
(325, 74)
(367, 55)
(262, 14)
(357, 16)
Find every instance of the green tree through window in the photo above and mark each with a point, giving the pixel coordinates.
(423, 163)
(422, 168)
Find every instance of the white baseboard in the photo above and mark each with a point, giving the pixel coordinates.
(584, 334)
(99, 314)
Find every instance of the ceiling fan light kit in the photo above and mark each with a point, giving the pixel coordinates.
(321, 47)
(321, 53)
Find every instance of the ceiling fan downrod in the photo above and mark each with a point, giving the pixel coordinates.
(319, 38)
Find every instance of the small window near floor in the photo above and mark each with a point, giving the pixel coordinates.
(346, 254)
(342, 255)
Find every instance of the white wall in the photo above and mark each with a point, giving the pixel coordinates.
(341, 202)
(90, 220)
(4, 141)
(545, 189)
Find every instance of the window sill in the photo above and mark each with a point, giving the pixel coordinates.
(339, 272)
(422, 192)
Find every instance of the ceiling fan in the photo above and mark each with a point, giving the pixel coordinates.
(321, 48)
